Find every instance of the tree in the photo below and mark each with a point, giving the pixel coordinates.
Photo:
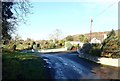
(29, 42)
(69, 38)
(12, 13)
(56, 35)
(82, 38)
(61, 42)
(109, 36)
(6, 14)
(111, 46)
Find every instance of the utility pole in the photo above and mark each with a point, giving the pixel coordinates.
(91, 28)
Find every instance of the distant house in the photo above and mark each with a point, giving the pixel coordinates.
(98, 35)
(95, 40)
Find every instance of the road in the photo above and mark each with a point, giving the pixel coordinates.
(70, 66)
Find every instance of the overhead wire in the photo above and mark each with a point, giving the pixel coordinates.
(104, 10)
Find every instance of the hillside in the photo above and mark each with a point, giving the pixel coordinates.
(98, 35)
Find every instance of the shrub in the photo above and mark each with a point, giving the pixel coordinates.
(76, 45)
(86, 48)
(95, 52)
(68, 45)
(61, 43)
(52, 45)
(92, 49)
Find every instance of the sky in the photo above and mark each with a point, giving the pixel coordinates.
(69, 17)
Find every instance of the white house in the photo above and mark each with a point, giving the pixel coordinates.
(95, 40)
(105, 36)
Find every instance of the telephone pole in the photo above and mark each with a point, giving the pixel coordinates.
(91, 28)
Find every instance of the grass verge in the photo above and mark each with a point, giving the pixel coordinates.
(21, 67)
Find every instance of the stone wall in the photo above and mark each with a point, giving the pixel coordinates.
(102, 60)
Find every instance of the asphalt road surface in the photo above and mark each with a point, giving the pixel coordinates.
(67, 66)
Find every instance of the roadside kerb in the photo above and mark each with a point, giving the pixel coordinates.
(102, 60)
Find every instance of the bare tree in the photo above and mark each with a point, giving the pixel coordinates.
(56, 35)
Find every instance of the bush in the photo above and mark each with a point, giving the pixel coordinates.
(92, 49)
(52, 45)
(86, 48)
(95, 52)
(61, 43)
(76, 45)
(68, 45)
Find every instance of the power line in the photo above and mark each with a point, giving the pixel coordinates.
(98, 16)
(104, 10)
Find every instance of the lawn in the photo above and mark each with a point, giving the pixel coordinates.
(21, 66)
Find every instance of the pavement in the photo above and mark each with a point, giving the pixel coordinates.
(65, 66)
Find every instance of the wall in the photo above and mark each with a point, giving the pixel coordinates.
(102, 60)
